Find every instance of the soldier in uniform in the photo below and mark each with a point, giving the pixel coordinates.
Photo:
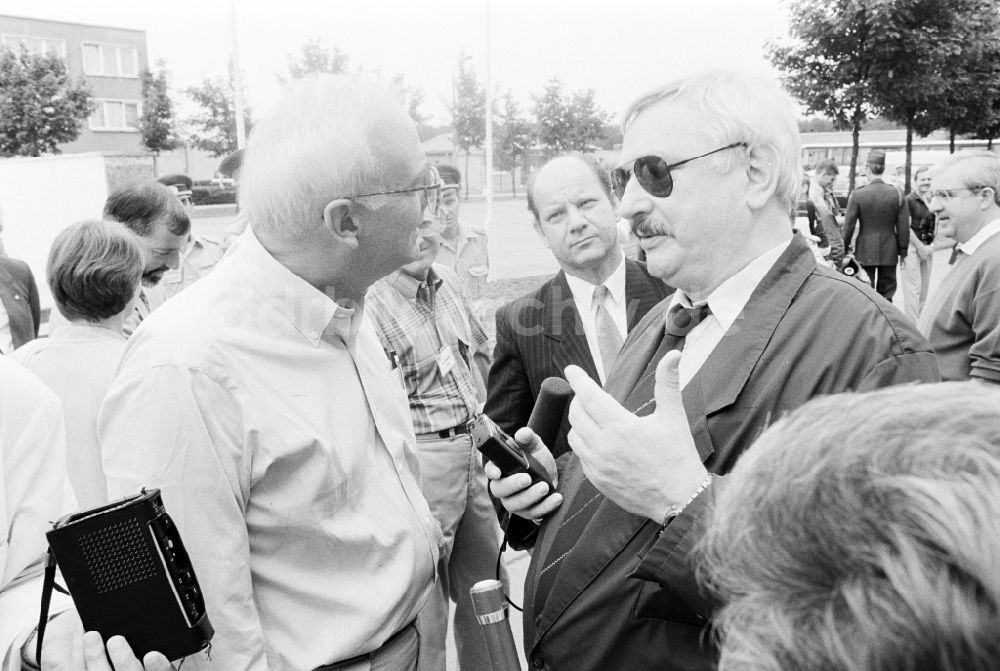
(463, 246)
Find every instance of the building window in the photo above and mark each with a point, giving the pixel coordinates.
(115, 115)
(110, 60)
(35, 45)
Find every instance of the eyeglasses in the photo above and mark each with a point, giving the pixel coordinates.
(944, 195)
(430, 194)
(653, 173)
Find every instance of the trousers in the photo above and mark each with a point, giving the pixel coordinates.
(916, 279)
(454, 484)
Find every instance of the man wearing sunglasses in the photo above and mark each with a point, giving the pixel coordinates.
(708, 174)
(261, 403)
(962, 317)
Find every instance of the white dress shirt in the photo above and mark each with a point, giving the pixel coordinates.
(78, 362)
(726, 302)
(32, 488)
(269, 417)
(982, 235)
(615, 304)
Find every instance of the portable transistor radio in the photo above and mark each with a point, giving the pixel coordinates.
(128, 574)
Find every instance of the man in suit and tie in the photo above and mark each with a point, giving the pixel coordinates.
(708, 174)
(883, 221)
(583, 314)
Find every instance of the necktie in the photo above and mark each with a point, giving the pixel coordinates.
(680, 321)
(955, 252)
(609, 339)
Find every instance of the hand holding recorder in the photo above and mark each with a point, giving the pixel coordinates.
(522, 470)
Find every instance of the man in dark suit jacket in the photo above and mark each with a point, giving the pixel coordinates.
(541, 333)
(19, 297)
(884, 233)
(761, 329)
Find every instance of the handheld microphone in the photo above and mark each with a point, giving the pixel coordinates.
(550, 409)
(491, 611)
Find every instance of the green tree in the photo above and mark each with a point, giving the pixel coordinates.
(468, 113)
(40, 106)
(157, 121)
(511, 137)
(214, 126)
(553, 119)
(587, 121)
(940, 66)
(830, 63)
(315, 58)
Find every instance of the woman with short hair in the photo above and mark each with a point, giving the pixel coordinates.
(94, 271)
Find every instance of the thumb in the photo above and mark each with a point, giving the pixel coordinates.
(668, 388)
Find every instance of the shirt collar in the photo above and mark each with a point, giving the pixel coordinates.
(985, 233)
(408, 286)
(730, 297)
(583, 291)
(310, 311)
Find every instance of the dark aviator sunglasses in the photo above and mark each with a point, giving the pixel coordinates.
(653, 173)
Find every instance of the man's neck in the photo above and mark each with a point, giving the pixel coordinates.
(760, 244)
(312, 260)
(599, 274)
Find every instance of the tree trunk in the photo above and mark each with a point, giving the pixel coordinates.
(467, 173)
(989, 144)
(909, 153)
(951, 141)
(513, 179)
(855, 141)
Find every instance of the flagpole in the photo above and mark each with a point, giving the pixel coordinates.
(241, 131)
(489, 224)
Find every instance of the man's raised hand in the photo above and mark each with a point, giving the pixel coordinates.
(646, 465)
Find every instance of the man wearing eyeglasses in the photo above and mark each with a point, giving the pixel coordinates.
(429, 331)
(708, 174)
(883, 222)
(962, 317)
(261, 403)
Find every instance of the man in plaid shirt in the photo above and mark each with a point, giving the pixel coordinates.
(440, 349)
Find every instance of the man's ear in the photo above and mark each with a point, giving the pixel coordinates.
(762, 176)
(338, 220)
(537, 225)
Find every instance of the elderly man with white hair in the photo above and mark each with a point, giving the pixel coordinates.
(708, 176)
(262, 405)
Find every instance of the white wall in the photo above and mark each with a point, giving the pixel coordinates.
(41, 196)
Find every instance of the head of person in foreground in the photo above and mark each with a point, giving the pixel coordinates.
(862, 533)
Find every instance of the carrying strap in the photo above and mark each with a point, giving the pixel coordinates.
(48, 584)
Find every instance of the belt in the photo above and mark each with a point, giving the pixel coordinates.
(368, 656)
(453, 431)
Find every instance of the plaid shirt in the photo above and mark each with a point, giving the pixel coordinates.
(414, 321)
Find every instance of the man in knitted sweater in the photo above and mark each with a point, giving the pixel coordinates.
(962, 318)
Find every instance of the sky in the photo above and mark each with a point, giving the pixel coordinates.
(619, 48)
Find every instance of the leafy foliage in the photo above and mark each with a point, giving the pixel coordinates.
(511, 137)
(214, 127)
(564, 123)
(40, 107)
(157, 122)
(315, 58)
